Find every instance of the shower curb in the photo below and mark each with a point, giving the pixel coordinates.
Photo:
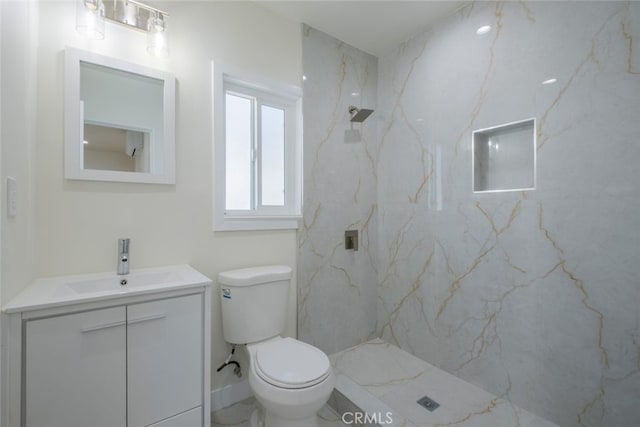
(349, 398)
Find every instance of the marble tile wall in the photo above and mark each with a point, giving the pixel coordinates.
(337, 289)
(533, 296)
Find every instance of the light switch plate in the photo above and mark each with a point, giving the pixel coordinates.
(12, 203)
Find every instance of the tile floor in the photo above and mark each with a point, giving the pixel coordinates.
(379, 378)
(238, 416)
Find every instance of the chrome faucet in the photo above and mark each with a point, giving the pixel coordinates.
(123, 256)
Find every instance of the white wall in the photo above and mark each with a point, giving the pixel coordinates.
(2, 345)
(18, 36)
(78, 223)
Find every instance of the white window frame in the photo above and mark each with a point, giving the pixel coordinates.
(269, 93)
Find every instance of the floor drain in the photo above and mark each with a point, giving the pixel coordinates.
(429, 404)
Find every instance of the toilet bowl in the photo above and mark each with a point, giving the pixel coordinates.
(292, 380)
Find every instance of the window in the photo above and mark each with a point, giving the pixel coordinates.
(257, 148)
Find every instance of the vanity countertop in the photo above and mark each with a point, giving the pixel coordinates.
(66, 290)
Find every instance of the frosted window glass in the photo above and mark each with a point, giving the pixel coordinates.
(272, 132)
(238, 152)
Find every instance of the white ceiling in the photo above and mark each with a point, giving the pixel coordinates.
(371, 26)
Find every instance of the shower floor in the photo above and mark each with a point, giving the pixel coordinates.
(377, 377)
(382, 381)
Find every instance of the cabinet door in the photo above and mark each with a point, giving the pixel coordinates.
(164, 358)
(75, 373)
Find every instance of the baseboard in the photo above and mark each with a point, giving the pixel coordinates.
(229, 395)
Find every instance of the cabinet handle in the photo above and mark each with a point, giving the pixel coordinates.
(121, 322)
(105, 326)
(147, 318)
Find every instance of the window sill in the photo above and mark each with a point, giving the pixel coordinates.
(257, 223)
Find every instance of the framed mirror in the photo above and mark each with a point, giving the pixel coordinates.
(119, 120)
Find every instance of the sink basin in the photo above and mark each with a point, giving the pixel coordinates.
(107, 284)
(59, 291)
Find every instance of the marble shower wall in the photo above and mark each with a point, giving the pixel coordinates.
(337, 289)
(533, 296)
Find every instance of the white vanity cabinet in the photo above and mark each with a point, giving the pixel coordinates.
(164, 359)
(136, 360)
(76, 369)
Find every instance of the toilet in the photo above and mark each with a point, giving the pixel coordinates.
(291, 379)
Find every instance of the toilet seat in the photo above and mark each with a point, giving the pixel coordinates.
(291, 364)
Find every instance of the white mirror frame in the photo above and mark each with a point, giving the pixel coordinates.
(73, 122)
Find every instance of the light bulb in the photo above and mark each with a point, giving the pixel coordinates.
(157, 36)
(90, 18)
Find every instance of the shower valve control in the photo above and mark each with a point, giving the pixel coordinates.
(351, 240)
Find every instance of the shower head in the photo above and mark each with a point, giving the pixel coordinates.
(359, 115)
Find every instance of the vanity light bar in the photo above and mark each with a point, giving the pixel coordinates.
(131, 13)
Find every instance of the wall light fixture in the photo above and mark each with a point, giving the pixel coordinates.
(91, 14)
(90, 18)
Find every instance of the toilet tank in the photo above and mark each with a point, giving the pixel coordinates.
(254, 302)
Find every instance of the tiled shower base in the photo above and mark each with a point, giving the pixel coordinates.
(378, 377)
(384, 382)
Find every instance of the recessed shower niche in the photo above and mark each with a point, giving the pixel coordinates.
(504, 157)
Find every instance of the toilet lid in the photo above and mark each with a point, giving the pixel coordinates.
(289, 363)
